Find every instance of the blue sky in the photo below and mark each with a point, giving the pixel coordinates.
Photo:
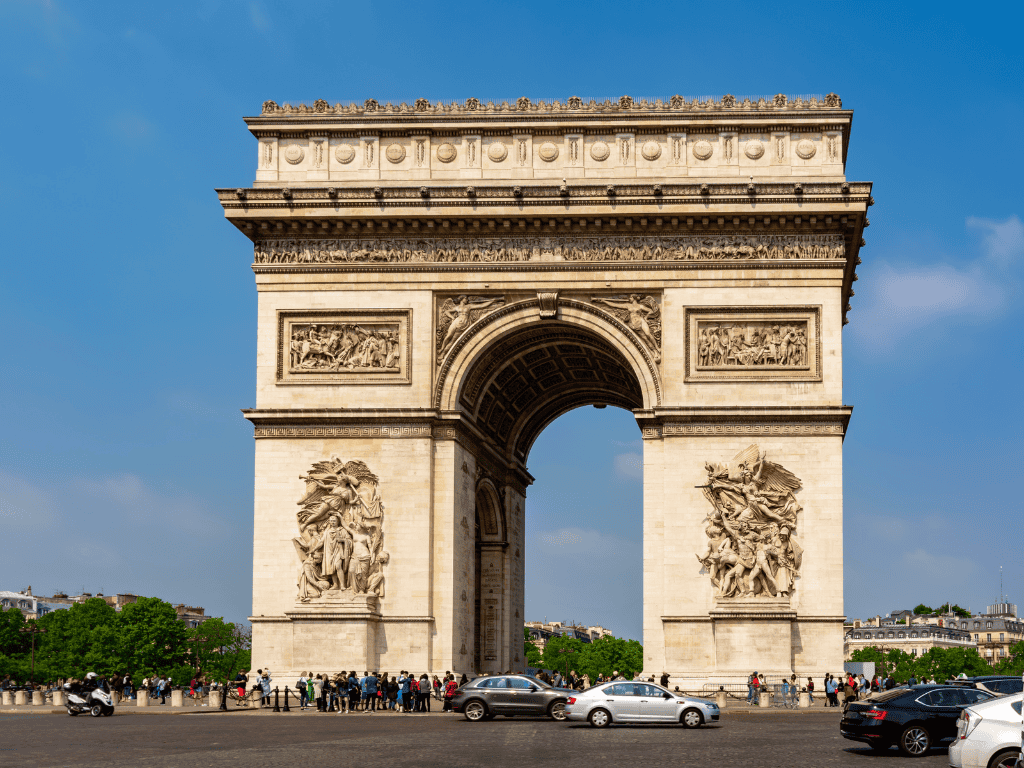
(124, 463)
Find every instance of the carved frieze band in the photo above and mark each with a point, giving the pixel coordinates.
(390, 430)
(520, 249)
(749, 430)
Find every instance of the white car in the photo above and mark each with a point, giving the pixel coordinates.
(629, 702)
(988, 734)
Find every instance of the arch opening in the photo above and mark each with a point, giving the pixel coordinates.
(533, 374)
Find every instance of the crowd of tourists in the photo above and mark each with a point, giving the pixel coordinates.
(346, 692)
(849, 687)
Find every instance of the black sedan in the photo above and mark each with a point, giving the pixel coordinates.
(510, 695)
(914, 718)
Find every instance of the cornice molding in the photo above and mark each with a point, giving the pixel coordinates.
(572, 107)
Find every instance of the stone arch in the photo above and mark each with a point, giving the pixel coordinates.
(514, 372)
(490, 511)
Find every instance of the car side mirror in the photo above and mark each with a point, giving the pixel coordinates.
(667, 696)
(533, 687)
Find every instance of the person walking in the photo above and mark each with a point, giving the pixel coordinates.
(810, 691)
(300, 686)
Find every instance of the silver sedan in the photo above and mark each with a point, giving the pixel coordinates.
(624, 702)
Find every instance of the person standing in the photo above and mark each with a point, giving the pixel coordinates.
(369, 685)
(450, 687)
(354, 691)
(264, 684)
(810, 691)
(424, 693)
(301, 687)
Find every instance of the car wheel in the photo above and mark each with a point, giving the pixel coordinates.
(557, 711)
(1005, 759)
(97, 710)
(72, 712)
(600, 718)
(915, 741)
(692, 718)
(475, 711)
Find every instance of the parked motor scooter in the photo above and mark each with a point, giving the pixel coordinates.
(88, 697)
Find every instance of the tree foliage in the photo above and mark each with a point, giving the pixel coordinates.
(602, 657)
(924, 610)
(143, 639)
(940, 663)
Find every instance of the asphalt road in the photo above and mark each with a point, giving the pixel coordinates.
(307, 740)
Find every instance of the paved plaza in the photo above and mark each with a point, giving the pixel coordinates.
(265, 739)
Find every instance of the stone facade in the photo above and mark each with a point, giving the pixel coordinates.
(443, 281)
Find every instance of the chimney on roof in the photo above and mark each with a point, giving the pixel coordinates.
(29, 590)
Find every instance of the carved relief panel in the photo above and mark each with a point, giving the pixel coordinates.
(344, 347)
(341, 533)
(753, 344)
(455, 314)
(752, 549)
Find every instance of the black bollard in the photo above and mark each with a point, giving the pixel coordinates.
(277, 703)
(224, 698)
(286, 708)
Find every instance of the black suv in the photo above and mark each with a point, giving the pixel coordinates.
(1000, 685)
(914, 718)
(510, 695)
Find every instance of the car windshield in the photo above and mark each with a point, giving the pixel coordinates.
(886, 695)
(537, 682)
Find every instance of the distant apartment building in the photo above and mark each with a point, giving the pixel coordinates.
(996, 631)
(35, 606)
(541, 632)
(993, 633)
(905, 631)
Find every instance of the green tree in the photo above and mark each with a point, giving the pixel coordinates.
(12, 641)
(150, 639)
(923, 610)
(1014, 663)
(77, 641)
(530, 650)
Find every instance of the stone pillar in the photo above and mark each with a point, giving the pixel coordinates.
(38, 698)
(58, 698)
(720, 699)
(177, 698)
(142, 697)
(805, 699)
(114, 698)
(764, 698)
(6, 699)
(215, 699)
(19, 698)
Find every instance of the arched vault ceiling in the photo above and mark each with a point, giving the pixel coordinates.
(529, 378)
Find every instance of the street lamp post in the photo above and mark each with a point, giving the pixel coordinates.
(32, 630)
(566, 650)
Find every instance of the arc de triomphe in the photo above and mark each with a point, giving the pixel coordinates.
(438, 282)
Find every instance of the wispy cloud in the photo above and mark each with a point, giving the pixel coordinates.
(132, 127)
(258, 17)
(629, 466)
(574, 541)
(901, 300)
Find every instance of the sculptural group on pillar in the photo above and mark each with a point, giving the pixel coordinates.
(752, 548)
(341, 532)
